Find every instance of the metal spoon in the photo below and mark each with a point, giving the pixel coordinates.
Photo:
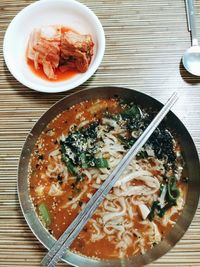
(191, 57)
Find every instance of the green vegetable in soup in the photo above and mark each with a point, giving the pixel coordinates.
(43, 210)
(142, 155)
(78, 151)
(72, 169)
(101, 163)
(132, 112)
(170, 199)
(84, 161)
(172, 190)
(154, 206)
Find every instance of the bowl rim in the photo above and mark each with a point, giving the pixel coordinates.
(60, 86)
(182, 223)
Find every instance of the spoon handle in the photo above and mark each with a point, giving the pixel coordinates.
(191, 21)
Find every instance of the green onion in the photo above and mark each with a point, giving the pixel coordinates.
(71, 168)
(101, 163)
(131, 112)
(170, 198)
(63, 151)
(172, 190)
(127, 142)
(153, 209)
(83, 160)
(44, 213)
(132, 141)
(79, 178)
(80, 203)
(142, 155)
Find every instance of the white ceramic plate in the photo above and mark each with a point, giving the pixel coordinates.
(69, 13)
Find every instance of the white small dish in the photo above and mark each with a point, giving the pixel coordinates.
(68, 13)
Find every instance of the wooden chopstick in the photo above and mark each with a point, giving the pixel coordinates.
(61, 245)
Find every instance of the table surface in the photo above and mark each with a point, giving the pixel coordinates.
(145, 41)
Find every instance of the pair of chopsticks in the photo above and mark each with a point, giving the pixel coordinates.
(67, 238)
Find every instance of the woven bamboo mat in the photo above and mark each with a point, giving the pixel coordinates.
(144, 44)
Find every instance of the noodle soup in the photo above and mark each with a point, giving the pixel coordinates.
(76, 153)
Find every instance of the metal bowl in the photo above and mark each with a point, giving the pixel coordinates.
(189, 153)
